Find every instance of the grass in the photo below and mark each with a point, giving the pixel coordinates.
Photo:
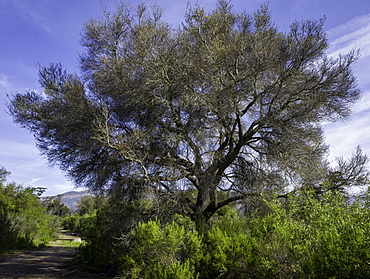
(65, 239)
(65, 243)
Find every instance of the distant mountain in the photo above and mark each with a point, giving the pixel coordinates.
(72, 198)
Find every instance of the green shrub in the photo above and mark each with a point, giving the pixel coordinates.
(313, 238)
(228, 249)
(105, 233)
(72, 223)
(23, 220)
(339, 239)
(157, 251)
(307, 238)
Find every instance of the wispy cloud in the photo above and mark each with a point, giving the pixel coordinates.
(33, 12)
(344, 137)
(5, 84)
(354, 34)
(17, 150)
(34, 180)
(54, 182)
(363, 106)
(28, 168)
(56, 189)
(10, 83)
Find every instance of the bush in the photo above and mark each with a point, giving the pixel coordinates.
(167, 251)
(105, 234)
(23, 220)
(308, 238)
(72, 223)
(339, 244)
(313, 238)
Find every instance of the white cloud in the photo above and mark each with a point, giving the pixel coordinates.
(17, 150)
(34, 180)
(10, 84)
(57, 189)
(364, 104)
(5, 84)
(343, 137)
(33, 11)
(350, 26)
(354, 34)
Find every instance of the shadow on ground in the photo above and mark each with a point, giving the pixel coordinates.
(54, 261)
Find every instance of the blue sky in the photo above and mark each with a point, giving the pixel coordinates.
(36, 32)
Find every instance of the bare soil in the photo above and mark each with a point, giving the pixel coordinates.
(54, 261)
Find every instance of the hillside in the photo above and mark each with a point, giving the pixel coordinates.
(71, 198)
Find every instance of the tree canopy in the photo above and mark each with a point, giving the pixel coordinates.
(226, 102)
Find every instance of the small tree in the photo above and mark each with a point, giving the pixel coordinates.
(54, 206)
(90, 204)
(23, 220)
(224, 103)
(342, 178)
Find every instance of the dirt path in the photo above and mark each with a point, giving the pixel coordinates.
(55, 261)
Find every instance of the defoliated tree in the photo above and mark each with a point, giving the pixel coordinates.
(225, 102)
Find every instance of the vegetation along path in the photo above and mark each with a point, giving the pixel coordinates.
(55, 261)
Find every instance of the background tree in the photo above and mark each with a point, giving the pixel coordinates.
(23, 220)
(90, 204)
(54, 206)
(226, 102)
(348, 175)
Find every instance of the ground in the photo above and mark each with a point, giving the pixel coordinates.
(54, 261)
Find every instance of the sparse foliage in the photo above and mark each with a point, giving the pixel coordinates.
(225, 102)
(352, 172)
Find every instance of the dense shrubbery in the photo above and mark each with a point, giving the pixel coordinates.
(227, 103)
(102, 228)
(300, 237)
(303, 238)
(23, 220)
